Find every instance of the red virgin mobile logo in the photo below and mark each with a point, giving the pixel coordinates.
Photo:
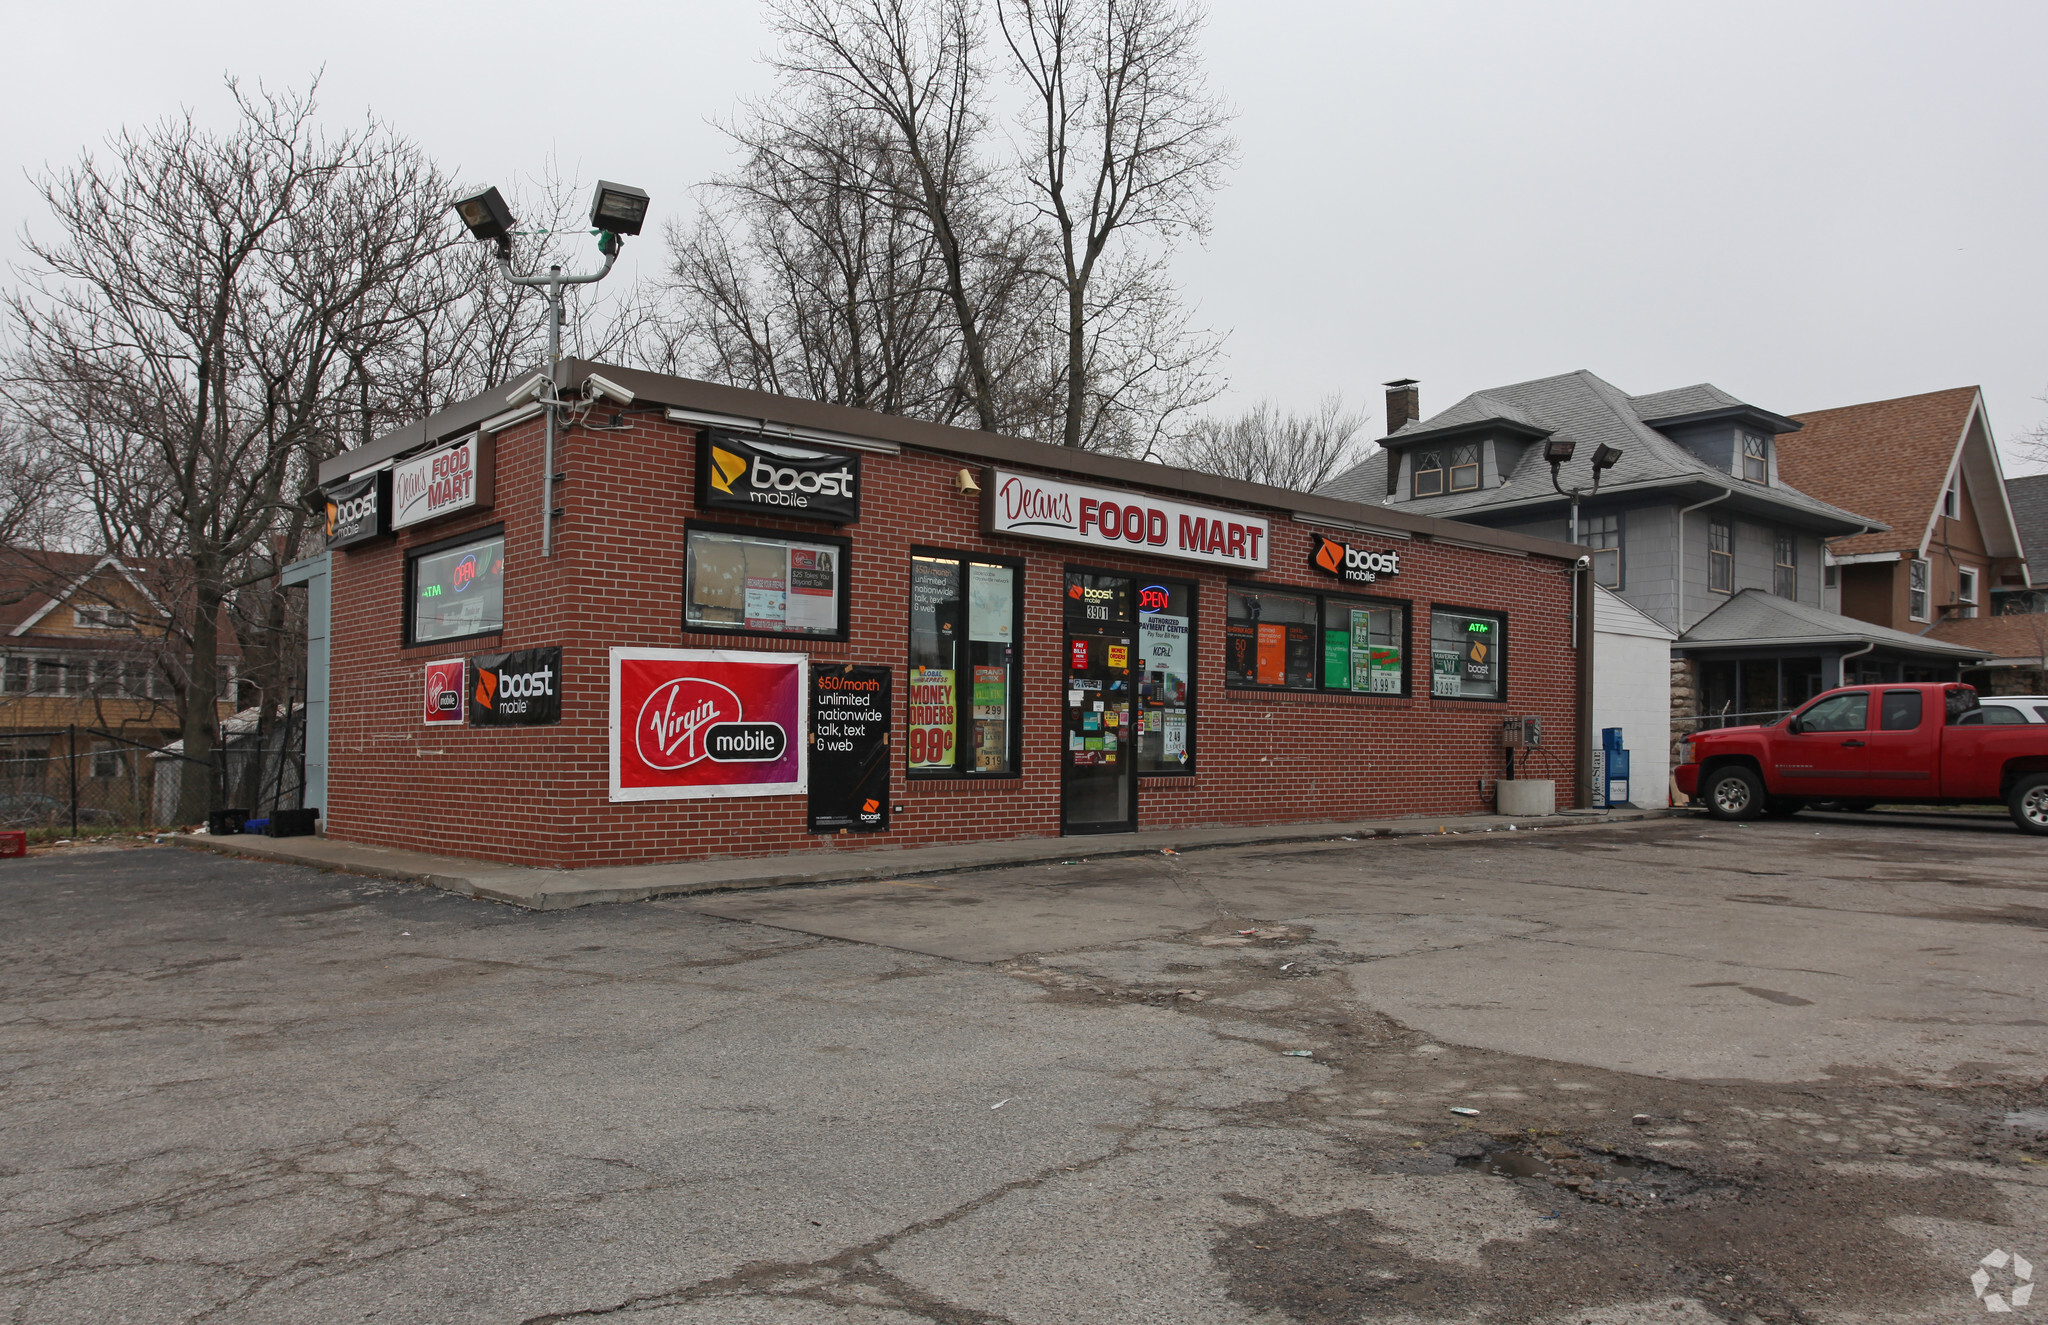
(669, 733)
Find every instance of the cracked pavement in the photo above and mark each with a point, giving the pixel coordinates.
(1783, 1072)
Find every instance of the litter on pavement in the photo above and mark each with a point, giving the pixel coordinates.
(1297, 1053)
(1464, 1112)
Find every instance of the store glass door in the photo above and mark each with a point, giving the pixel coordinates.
(1098, 766)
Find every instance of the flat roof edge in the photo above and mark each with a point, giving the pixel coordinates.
(662, 390)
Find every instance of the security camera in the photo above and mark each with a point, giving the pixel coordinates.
(1583, 562)
(533, 388)
(598, 388)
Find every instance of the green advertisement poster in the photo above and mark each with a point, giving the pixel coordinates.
(1337, 659)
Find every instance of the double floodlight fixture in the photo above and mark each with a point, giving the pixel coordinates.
(1558, 451)
(616, 210)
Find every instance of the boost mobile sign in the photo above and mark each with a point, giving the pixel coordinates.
(769, 478)
(1354, 565)
(522, 689)
(359, 511)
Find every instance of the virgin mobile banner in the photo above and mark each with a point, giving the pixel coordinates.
(694, 723)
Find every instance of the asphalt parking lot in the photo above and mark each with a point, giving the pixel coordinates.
(1684, 1071)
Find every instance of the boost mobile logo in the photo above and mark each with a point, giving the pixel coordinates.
(1357, 565)
(725, 469)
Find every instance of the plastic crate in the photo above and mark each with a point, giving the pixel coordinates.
(13, 843)
(294, 823)
(222, 823)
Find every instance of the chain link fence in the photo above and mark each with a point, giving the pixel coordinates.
(86, 780)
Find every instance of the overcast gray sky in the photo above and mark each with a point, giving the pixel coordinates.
(1807, 204)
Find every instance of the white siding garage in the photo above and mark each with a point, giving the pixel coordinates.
(1632, 691)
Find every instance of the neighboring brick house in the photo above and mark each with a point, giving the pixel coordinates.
(1926, 466)
(86, 653)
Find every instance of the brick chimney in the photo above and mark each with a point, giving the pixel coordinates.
(1404, 403)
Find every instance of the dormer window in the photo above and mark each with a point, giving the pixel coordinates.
(1756, 466)
(1446, 469)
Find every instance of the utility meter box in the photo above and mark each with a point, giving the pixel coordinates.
(1523, 733)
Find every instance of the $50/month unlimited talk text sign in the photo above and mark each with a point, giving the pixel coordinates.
(687, 724)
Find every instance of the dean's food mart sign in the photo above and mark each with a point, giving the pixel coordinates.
(1033, 507)
(454, 478)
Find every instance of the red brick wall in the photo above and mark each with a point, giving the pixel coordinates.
(540, 795)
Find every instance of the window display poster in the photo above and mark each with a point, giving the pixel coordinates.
(850, 715)
(444, 686)
(1272, 654)
(813, 600)
(1337, 659)
(1385, 671)
(1479, 653)
(991, 604)
(688, 724)
(934, 714)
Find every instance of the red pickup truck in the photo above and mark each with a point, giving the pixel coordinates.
(1857, 746)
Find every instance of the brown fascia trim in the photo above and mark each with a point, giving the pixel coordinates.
(661, 390)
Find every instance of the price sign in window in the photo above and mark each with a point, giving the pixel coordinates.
(965, 619)
(1362, 646)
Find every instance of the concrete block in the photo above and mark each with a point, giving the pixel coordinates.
(1526, 797)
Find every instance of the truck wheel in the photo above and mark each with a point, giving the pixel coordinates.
(2028, 801)
(1735, 792)
(1776, 808)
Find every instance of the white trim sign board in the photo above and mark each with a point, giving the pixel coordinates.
(454, 478)
(1033, 507)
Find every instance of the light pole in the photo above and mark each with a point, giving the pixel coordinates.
(616, 210)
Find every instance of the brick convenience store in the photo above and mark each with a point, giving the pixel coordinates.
(761, 625)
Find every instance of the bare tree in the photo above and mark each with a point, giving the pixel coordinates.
(189, 338)
(34, 511)
(1122, 141)
(1282, 449)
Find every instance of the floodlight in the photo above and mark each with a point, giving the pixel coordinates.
(487, 216)
(619, 208)
(1606, 457)
(1559, 449)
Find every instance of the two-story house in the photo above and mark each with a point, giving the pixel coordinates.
(1927, 466)
(91, 675)
(1692, 523)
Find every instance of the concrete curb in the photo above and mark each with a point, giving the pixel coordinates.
(554, 890)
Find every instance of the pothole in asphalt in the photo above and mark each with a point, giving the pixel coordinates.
(1586, 1171)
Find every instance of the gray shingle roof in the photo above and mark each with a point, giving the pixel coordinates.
(1699, 398)
(1590, 412)
(1757, 619)
(2029, 498)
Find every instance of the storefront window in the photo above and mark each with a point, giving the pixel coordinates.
(1362, 646)
(457, 590)
(1315, 642)
(1467, 654)
(1166, 688)
(759, 583)
(965, 619)
(1270, 640)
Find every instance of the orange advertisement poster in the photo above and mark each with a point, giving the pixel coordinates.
(1272, 654)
